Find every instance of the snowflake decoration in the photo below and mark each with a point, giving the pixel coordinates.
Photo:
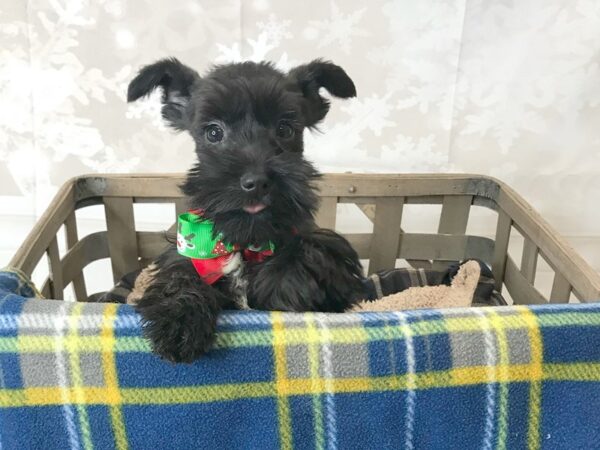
(108, 161)
(259, 51)
(372, 113)
(276, 30)
(410, 154)
(149, 107)
(340, 28)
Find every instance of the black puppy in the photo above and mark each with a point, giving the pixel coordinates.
(252, 181)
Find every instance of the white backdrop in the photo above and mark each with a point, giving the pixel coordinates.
(506, 88)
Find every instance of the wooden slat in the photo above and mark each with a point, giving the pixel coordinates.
(71, 235)
(45, 291)
(157, 200)
(561, 289)
(35, 245)
(420, 247)
(122, 242)
(522, 292)
(501, 248)
(455, 214)
(326, 215)
(420, 264)
(368, 210)
(349, 185)
(529, 260)
(453, 219)
(560, 255)
(386, 233)
(56, 277)
(151, 244)
(409, 185)
(180, 207)
(416, 200)
(172, 230)
(89, 249)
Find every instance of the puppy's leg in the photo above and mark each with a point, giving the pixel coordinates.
(335, 266)
(317, 271)
(179, 311)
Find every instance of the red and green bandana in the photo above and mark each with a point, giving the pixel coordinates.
(210, 254)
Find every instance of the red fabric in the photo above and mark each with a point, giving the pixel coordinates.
(256, 257)
(211, 270)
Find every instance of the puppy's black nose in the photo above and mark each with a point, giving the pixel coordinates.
(253, 183)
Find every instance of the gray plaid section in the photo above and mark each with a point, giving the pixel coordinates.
(91, 369)
(468, 349)
(39, 369)
(298, 365)
(347, 361)
(519, 351)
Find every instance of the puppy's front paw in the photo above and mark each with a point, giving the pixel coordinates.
(179, 317)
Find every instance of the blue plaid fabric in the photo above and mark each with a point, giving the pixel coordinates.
(76, 375)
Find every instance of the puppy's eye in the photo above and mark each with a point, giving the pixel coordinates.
(285, 131)
(214, 133)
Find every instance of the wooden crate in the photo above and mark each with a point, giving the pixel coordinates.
(382, 199)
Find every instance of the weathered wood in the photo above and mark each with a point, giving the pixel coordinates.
(122, 242)
(453, 220)
(45, 290)
(409, 185)
(418, 200)
(337, 185)
(71, 235)
(501, 248)
(180, 207)
(422, 247)
(519, 288)
(561, 289)
(30, 252)
(529, 260)
(89, 249)
(386, 233)
(156, 200)
(326, 215)
(559, 254)
(151, 243)
(55, 277)
(368, 210)
(455, 214)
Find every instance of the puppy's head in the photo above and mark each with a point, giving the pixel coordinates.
(247, 121)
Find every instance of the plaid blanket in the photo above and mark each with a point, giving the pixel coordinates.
(76, 375)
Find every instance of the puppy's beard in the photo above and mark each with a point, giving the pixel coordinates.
(239, 227)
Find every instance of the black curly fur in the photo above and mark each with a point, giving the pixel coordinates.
(312, 269)
(173, 306)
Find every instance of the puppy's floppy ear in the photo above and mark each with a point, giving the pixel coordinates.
(314, 75)
(176, 81)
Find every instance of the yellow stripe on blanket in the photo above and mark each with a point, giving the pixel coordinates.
(477, 375)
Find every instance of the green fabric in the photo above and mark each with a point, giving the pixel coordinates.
(196, 239)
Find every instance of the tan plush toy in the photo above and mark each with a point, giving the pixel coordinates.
(458, 294)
